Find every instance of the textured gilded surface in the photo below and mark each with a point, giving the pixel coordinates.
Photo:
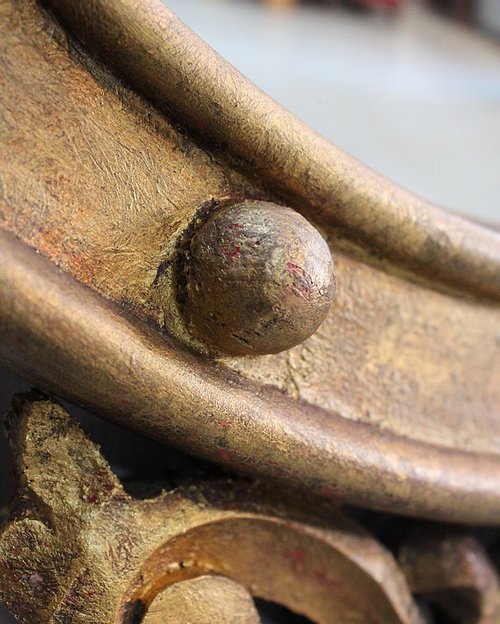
(203, 600)
(124, 278)
(393, 403)
(129, 373)
(158, 54)
(259, 278)
(78, 549)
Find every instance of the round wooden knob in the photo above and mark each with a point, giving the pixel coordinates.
(259, 279)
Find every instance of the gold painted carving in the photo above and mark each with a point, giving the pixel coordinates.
(123, 140)
(393, 404)
(77, 548)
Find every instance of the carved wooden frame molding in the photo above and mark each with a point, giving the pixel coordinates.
(124, 137)
(401, 410)
(434, 275)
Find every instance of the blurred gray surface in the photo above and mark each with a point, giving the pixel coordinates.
(488, 15)
(414, 97)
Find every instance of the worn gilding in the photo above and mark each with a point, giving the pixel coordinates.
(393, 403)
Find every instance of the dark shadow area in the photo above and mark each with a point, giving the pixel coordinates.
(272, 613)
(5, 618)
(9, 385)
(137, 459)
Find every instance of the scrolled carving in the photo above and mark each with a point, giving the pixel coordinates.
(78, 548)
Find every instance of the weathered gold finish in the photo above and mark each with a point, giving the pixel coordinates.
(77, 548)
(174, 396)
(163, 58)
(392, 404)
(203, 600)
(124, 286)
(258, 278)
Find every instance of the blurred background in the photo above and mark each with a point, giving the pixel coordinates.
(410, 88)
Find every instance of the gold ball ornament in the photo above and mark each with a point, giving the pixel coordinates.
(259, 279)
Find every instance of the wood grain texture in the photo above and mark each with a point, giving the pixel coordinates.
(161, 57)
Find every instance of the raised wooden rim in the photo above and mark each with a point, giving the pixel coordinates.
(69, 340)
(163, 58)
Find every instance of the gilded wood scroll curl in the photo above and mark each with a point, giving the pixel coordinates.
(77, 548)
